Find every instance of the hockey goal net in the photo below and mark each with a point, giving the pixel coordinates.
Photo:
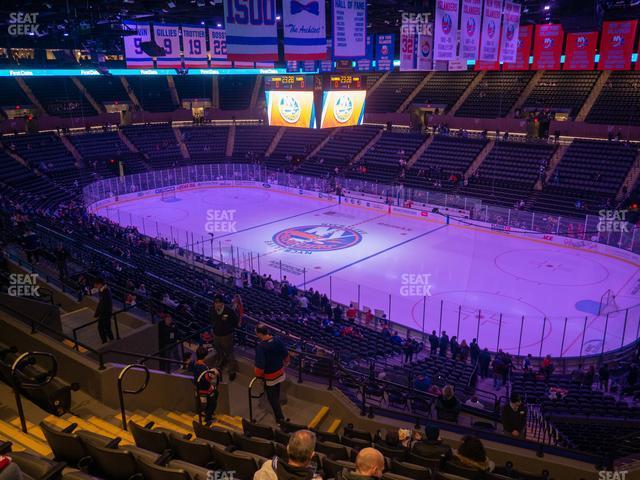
(607, 303)
(168, 196)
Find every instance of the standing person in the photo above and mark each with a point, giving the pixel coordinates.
(474, 351)
(484, 359)
(514, 417)
(433, 343)
(604, 375)
(238, 308)
(167, 335)
(225, 322)
(444, 344)
(61, 256)
(207, 384)
(271, 358)
(103, 310)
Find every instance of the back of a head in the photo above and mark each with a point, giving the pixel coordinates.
(472, 448)
(370, 462)
(392, 439)
(301, 447)
(432, 433)
(262, 329)
(201, 352)
(447, 391)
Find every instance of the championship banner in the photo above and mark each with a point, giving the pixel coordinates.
(470, 29)
(252, 32)
(194, 46)
(309, 66)
(445, 29)
(385, 47)
(290, 109)
(509, 37)
(580, 51)
(616, 45)
(365, 64)
(547, 47)
(218, 48)
(349, 28)
(305, 29)
(525, 34)
(168, 37)
(424, 52)
(342, 108)
(134, 55)
(490, 38)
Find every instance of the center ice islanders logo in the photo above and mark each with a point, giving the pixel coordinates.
(343, 108)
(289, 109)
(317, 238)
(446, 24)
(471, 26)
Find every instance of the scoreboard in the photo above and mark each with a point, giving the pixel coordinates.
(344, 82)
(289, 82)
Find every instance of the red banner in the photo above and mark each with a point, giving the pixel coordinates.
(525, 35)
(547, 47)
(580, 51)
(616, 45)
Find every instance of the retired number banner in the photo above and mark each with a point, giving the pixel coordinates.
(194, 46)
(134, 55)
(251, 30)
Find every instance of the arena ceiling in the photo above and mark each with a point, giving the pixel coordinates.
(75, 23)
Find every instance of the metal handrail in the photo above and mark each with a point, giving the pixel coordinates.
(114, 316)
(136, 391)
(18, 383)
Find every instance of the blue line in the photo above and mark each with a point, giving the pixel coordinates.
(275, 221)
(375, 254)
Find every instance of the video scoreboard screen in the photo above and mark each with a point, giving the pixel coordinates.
(344, 82)
(289, 82)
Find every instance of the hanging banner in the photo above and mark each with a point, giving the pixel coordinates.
(408, 46)
(218, 48)
(580, 51)
(349, 28)
(385, 47)
(134, 55)
(304, 30)
(470, 29)
(252, 33)
(365, 64)
(510, 27)
(490, 37)
(265, 65)
(168, 37)
(446, 29)
(616, 45)
(194, 46)
(547, 47)
(525, 35)
(424, 52)
(309, 66)
(293, 66)
(242, 64)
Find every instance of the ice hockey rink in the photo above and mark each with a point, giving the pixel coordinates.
(516, 293)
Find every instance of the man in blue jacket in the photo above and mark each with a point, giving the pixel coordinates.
(271, 358)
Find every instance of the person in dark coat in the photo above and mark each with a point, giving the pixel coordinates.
(433, 343)
(431, 446)
(474, 351)
(444, 344)
(484, 361)
(514, 417)
(103, 310)
(224, 321)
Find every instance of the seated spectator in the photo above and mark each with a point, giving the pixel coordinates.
(471, 454)
(473, 402)
(514, 417)
(351, 313)
(431, 445)
(300, 451)
(447, 405)
(369, 466)
(422, 383)
(547, 367)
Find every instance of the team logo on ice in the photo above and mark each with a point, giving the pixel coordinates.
(317, 238)
(343, 108)
(289, 109)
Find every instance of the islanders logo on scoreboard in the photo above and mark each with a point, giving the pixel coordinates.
(289, 109)
(343, 108)
(317, 238)
(471, 26)
(446, 24)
